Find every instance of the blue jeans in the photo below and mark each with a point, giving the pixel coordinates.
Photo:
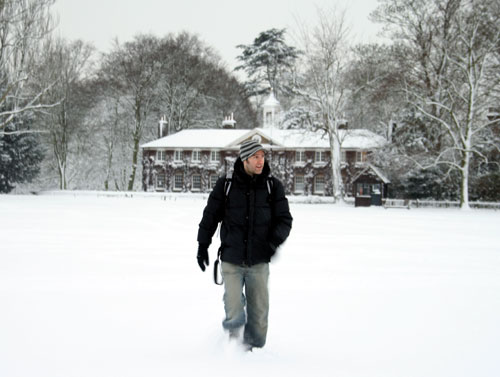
(255, 296)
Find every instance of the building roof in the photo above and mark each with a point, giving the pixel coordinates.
(271, 137)
(211, 138)
(370, 169)
(271, 101)
(350, 139)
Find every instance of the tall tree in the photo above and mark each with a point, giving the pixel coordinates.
(377, 72)
(110, 140)
(184, 79)
(195, 89)
(23, 27)
(66, 64)
(320, 85)
(456, 80)
(132, 71)
(265, 60)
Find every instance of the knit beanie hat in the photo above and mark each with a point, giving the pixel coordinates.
(248, 148)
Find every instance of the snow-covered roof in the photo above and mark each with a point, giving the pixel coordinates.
(350, 139)
(211, 138)
(375, 171)
(276, 138)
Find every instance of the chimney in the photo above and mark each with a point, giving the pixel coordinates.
(228, 122)
(162, 127)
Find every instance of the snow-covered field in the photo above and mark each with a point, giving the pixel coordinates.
(109, 287)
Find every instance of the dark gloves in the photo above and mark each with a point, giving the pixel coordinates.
(202, 255)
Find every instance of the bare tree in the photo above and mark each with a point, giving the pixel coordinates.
(195, 89)
(185, 83)
(110, 139)
(24, 24)
(455, 81)
(177, 78)
(132, 71)
(377, 72)
(65, 65)
(468, 92)
(319, 83)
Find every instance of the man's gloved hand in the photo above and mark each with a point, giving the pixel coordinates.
(202, 255)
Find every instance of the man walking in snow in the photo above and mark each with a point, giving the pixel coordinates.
(256, 220)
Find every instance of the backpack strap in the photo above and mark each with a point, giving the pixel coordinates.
(228, 183)
(270, 184)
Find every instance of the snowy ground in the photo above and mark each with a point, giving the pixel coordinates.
(109, 287)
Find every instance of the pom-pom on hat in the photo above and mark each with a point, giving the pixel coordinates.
(248, 148)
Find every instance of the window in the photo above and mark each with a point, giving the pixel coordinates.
(300, 156)
(160, 181)
(320, 156)
(215, 156)
(196, 182)
(299, 183)
(366, 189)
(319, 184)
(269, 117)
(360, 156)
(196, 156)
(161, 155)
(178, 155)
(213, 180)
(178, 182)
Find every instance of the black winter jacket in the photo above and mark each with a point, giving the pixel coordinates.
(254, 223)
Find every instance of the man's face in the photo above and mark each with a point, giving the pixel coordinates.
(255, 163)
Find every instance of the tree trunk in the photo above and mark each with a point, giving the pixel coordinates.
(135, 152)
(337, 185)
(62, 175)
(464, 171)
(109, 166)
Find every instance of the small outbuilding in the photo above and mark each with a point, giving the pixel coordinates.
(369, 187)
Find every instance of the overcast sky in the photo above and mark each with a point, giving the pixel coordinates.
(222, 24)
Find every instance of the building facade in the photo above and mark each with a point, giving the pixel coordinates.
(192, 160)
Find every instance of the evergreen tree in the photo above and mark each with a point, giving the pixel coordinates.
(265, 60)
(20, 155)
